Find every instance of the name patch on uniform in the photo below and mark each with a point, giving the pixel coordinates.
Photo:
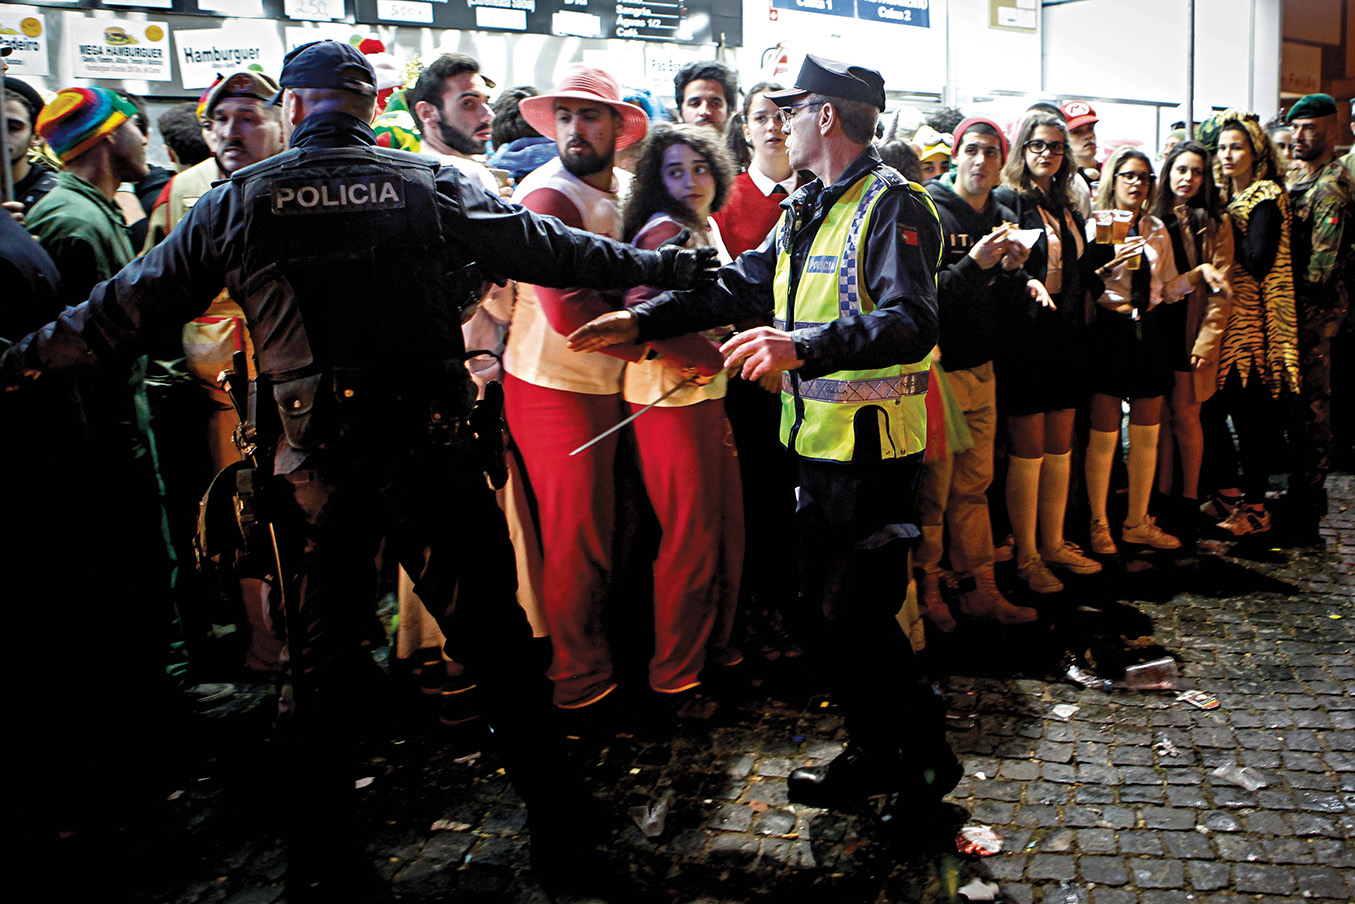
(821, 263)
(347, 194)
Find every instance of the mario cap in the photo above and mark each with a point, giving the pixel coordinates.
(820, 75)
(1079, 113)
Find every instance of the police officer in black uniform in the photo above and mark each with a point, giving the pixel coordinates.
(348, 260)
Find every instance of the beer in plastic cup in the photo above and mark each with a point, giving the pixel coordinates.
(1123, 219)
(1133, 262)
(1104, 226)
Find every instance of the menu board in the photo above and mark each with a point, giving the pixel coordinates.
(678, 21)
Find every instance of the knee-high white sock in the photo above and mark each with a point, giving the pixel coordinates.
(1100, 456)
(1142, 467)
(1054, 474)
(1023, 501)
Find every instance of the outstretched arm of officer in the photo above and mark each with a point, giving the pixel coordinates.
(684, 268)
(514, 241)
(171, 285)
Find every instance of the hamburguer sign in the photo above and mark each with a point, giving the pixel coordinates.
(204, 52)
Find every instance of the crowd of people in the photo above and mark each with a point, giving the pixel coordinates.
(915, 338)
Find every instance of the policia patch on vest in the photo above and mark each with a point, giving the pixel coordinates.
(345, 194)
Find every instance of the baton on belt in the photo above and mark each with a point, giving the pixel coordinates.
(610, 430)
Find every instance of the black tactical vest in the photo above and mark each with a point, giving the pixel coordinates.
(349, 290)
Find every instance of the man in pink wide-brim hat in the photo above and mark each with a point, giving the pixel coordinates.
(557, 400)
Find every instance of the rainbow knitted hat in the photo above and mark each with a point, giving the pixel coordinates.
(78, 117)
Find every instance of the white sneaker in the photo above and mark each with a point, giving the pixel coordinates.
(1069, 555)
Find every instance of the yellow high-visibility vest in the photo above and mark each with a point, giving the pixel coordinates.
(820, 417)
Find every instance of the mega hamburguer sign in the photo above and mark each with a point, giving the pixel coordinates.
(119, 49)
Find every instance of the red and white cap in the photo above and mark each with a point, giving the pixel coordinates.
(1079, 113)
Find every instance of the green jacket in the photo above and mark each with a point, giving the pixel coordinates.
(84, 234)
(1321, 204)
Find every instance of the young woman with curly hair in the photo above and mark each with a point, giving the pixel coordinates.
(686, 449)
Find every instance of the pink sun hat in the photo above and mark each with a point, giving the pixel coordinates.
(582, 82)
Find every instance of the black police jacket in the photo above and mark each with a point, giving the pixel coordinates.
(343, 257)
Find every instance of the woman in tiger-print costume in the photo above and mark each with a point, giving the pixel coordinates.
(1259, 360)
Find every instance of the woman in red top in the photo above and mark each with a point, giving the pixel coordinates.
(755, 198)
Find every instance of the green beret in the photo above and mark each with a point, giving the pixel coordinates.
(1311, 106)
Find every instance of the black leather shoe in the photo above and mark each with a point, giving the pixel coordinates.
(843, 784)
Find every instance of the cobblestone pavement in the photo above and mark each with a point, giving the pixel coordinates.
(1101, 797)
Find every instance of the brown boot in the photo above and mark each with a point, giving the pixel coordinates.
(986, 602)
(930, 605)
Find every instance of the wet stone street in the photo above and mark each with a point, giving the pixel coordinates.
(1100, 797)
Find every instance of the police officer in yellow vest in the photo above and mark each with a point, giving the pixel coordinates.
(849, 274)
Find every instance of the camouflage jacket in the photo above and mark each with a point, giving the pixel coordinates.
(1321, 240)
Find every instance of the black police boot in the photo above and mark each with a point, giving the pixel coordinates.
(843, 784)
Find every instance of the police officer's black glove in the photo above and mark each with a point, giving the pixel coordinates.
(684, 268)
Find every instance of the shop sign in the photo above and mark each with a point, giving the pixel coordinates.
(25, 30)
(119, 48)
(205, 53)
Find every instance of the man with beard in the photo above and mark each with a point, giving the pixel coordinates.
(1320, 189)
(451, 102)
(33, 177)
(706, 93)
(119, 594)
(557, 400)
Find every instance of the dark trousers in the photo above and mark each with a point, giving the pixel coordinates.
(439, 519)
(855, 526)
(1254, 415)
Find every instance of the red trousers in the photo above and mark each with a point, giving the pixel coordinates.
(691, 474)
(576, 502)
